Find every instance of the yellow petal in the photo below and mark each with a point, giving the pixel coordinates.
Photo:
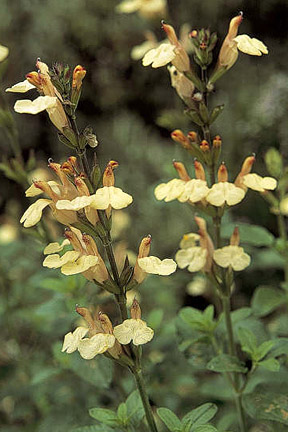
(193, 257)
(233, 256)
(284, 206)
(21, 87)
(169, 191)
(55, 261)
(189, 240)
(154, 265)
(34, 191)
(251, 46)
(160, 56)
(34, 213)
(71, 340)
(225, 192)
(110, 195)
(26, 106)
(134, 330)
(81, 265)
(55, 247)
(195, 190)
(75, 204)
(97, 344)
(258, 183)
(128, 6)
(4, 51)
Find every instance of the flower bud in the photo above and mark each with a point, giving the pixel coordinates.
(222, 173)
(178, 136)
(144, 249)
(81, 186)
(204, 146)
(199, 170)
(94, 327)
(74, 240)
(135, 310)
(193, 136)
(235, 237)
(78, 76)
(105, 323)
(108, 175)
(217, 142)
(245, 169)
(228, 52)
(182, 172)
(181, 60)
(193, 34)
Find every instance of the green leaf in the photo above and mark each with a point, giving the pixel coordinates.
(170, 419)
(252, 234)
(271, 364)
(263, 349)
(199, 321)
(226, 363)
(122, 413)
(247, 340)
(200, 415)
(267, 406)
(266, 299)
(135, 408)
(104, 415)
(205, 428)
(280, 347)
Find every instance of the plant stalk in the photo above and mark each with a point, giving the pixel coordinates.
(145, 400)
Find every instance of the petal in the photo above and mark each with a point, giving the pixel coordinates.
(189, 240)
(4, 51)
(195, 190)
(142, 334)
(55, 247)
(135, 330)
(55, 261)
(81, 265)
(225, 192)
(125, 331)
(251, 46)
(232, 255)
(97, 344)
(34, 213)
(233, 194)
(154, 265)
(21, 87)
(258, 183)
(75, 204)
(170, 191)
(34, 191)
(128, 6)
(118, 198)
(194, 257)
(71, 340)
(26, 106)
(160, 56)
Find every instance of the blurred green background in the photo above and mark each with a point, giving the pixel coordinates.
(133, 110)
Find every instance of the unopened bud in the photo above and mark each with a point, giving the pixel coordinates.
(170, 32)
(222, 173)
(182, 172)
(144, 249)
(67, 168)
(204, 146)
(217, 141)
(178, 136)
(105, 323)
(199, 170)
(81, 186)
(74, 240)
(135, 310)
(86, 314)
(193, 136)
(108, 175)
(193, 34)
(181, 60)
(78, 76)
(235, 237)
(245, 169)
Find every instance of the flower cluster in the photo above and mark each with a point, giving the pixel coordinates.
(103, 338)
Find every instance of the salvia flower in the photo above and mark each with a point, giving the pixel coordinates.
(258, 183)
(233, 255)
(145, 8)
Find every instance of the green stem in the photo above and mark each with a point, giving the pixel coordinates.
(145, 400)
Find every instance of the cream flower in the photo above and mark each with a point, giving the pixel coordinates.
(71, 340)
(193, 257)
(194, 190)
(56, 261)
(225, 192)
(21, 87)
(154, 265)
(34, 191)
(169, 191)
(4, 51)
(97, 344)
(233, 256)
(101, 200)
(189, 240)
(55, 247)
(42, 103)
(146, 8)
(258, 183)
(250, 46)
(160, 56)
(34, 213)
(183, 86)
(134, 330)
(81, 265)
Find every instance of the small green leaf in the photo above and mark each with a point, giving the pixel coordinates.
(200, 415)
(271, 364)
(247, 340)
(266, 299)
(135, 408)
(251, 234)
(104, 415)
(267, 406)
(122, 413)
(262, 350)
(226, 363)
(280, 347)
(200, 321)
(170, 419)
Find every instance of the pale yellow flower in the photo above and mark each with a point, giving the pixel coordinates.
(4, 51)
(197, 287)
(193, 257)
(250, 46)
(258, 183)
(71, 340)
(81, 265)
(233, 256)
(284, 206)
(183, 86)
(42, 103)
(21, 87)
(224, 193)
(34, 191)
(169, 191)
(189, 240)
(134, 330)
(154, 265)
(55, 247)
(34, 213)
(57, 261)
(160, 56)
(194, 191)
(146, 8)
